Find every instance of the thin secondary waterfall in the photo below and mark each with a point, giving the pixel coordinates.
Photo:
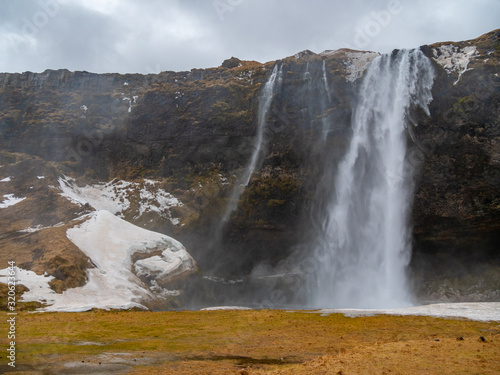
(262, 116)
(324, 120)
(364, 247)
(264, 106)
(325, 82)
(317, 95)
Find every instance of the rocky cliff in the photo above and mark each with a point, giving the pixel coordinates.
(165, 152)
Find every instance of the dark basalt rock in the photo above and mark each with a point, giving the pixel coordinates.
(233, 62)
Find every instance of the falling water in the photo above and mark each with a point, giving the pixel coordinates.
(364, 247)
(325, 83)
(264, 105)
(317, 95)
(324, 120)
(262, 116)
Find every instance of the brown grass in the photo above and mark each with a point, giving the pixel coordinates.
(253, 342)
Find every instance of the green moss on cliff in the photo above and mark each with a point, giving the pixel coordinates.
(269, 198)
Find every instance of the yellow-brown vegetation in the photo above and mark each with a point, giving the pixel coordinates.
(253, 342)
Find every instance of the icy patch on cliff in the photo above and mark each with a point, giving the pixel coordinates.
(111, 243)
(454, 59)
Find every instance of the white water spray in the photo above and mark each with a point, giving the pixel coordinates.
(364, 247)
(262, 116)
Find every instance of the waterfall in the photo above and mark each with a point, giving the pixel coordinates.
(325, 83)
(317, 96)
(326, 88)
(265, 102)
(364, 246)
(264, 106)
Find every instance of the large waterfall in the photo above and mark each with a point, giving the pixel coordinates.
(364, 245)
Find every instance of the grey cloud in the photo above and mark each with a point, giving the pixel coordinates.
(154, 35)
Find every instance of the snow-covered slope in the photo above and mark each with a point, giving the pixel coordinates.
(111, 244)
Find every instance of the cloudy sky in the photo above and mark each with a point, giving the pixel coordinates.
(149, 36)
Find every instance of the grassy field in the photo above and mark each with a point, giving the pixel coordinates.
(249, 342)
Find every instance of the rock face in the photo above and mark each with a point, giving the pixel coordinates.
(187, 137)
(457, 213)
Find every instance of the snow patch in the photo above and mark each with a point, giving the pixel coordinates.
(132, 100)
(115, 196)
(38, 285)
(245, 75)
(301, 54)
(158, 201)
(38, 227)
(129, 104)
(84, 108)
(356, 64)
(10, 200)
(40, 177)
(454, 59)
(223, 180)
(110, 243)
(162, 268)
(110, 196)
(329, 52)
(481, 311)
(215, 308)
(6, 179)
